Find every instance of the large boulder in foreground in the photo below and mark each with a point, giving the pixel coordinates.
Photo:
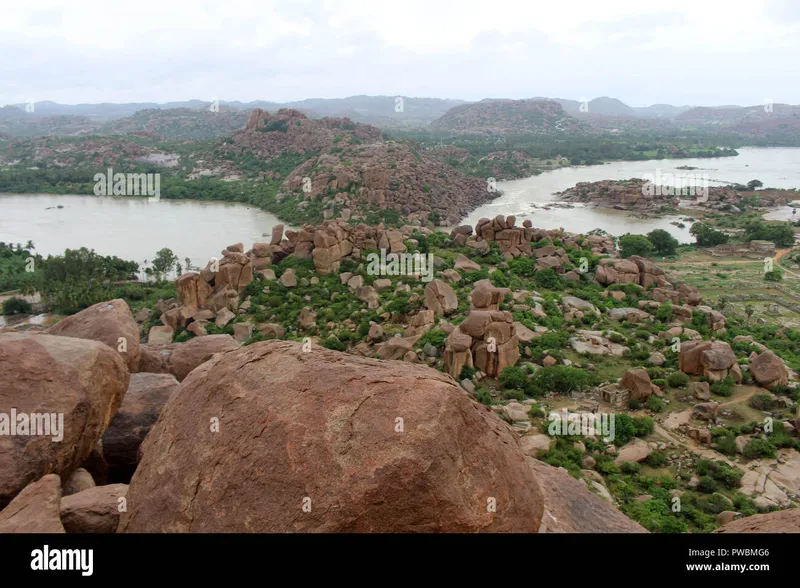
(45, 375)
(108, 322)
(35, 509)
(571, 508)
(769, 370)
(146, 396)
(323, 441)
(782, 521)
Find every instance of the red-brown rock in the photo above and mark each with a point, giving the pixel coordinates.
(108, 322)
(320, 430)
(82, 380)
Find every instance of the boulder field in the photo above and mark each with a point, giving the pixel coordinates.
(268, 437)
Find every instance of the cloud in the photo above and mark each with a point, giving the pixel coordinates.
(693, 52)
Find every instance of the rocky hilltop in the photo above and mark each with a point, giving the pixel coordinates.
(410, 399)
(389, 175)
(269, 136)
(512, 117)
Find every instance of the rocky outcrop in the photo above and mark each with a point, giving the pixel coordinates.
(108, 322)
(782, 521)
(77, 383)
(486, 339)
(633, 194)
(713, 359)
(387, 175)
(146, 396)
(644, 273)
(366, 447)
(35, 509)
(570, 508)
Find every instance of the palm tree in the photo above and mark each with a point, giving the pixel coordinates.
(29, 246)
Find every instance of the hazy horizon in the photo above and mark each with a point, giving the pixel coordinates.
(690, 53)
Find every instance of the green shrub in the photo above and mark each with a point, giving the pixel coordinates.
(634, 404)
(723, 387)
(726, 444)
(435, 337)
(656, 459)
(607, 467)
(17, 306)
(536, 411)
(549, 279)
(630, 467)
(559, 379)
(513, 377)
(678, 380)
(664, 312)
(482, 395)
(757, 447)
(333, 342)
(707, 484)
(761, 401)
(655, 403)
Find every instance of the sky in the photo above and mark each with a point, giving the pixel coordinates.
(694, 52)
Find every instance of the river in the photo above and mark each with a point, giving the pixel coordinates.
(135, 229)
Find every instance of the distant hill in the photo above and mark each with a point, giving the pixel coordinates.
(774, 121)
(603, 105)
(536, 117)
(180, 123)
(660, 110)
(368, 109)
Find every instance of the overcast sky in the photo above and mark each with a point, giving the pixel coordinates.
(698, 52)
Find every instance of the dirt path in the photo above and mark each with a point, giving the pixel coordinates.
(777, 258)
(752, 391)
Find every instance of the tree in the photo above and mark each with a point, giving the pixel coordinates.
(164, 263)
(780, 233)
(749, 309)
(635, 245)
(707, 236)
(775, 275)
(753, 184)
(663, 242)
